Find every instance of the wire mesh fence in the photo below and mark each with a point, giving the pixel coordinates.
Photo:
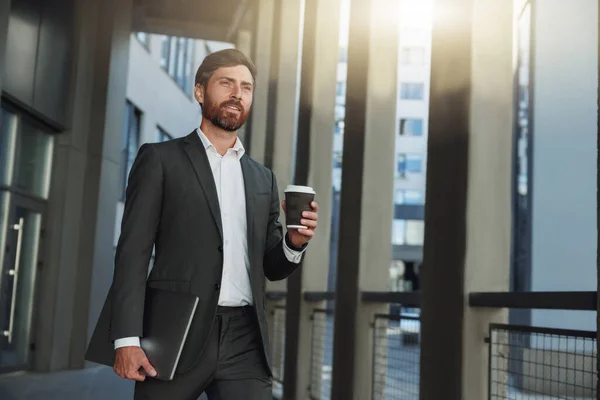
(541, 363)
(278, 350)
(396, 355)
(321, 354)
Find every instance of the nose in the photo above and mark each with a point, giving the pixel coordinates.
(236, 93)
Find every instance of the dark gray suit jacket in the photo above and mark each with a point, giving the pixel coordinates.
(172, 204)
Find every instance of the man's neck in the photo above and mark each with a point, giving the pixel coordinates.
(220, 138)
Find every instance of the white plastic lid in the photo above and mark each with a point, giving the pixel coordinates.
(299, 189)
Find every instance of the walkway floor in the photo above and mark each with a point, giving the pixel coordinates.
(94, 383)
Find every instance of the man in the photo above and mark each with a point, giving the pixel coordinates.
(212, 214)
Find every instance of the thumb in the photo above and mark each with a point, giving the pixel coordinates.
(148, 367)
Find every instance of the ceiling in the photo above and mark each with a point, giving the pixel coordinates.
(217, 20)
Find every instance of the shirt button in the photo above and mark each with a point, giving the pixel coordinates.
(220, 249)
(217, 286)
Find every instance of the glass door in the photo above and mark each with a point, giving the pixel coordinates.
(26, 151)
(22, 258)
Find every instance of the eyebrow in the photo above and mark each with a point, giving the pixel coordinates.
(234, 80)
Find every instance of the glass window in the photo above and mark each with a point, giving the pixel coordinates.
(165, 52)
(189, 74)
(414, 163)
(415, 231)
(162, 136)
(177, 58)
(144, 38)
(181, 61)
(398, 232)
(131, 143)
(337, 159)
(339, 127)
(411, 127)
(25, 155)
(408, 197)
(413, 56)
(340, 89)
(401, 165)
(408, 232)
(409, 163)
(412, 91)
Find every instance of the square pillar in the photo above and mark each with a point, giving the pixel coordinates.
(281, 136)
(366, 211)
(468, 209)
(84, 185)
(262, 43)
(314, 153)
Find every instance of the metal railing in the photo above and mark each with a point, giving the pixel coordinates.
(321, 354)
(396, 355)
(527, 361)
(396, 346)
(278, 348)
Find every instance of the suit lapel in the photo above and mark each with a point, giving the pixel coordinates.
(250, 189)
(197, 154)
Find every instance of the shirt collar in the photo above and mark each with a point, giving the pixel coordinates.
(237, 146)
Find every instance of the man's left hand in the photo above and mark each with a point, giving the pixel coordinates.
(299, 237)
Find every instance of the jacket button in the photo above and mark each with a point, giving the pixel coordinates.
(217, 286)
(220, 249)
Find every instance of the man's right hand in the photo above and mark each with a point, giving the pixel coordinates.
(128, 361)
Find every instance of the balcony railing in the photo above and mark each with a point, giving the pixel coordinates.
(527, 362)
(278, 349)
(321, 354)
(396, 355)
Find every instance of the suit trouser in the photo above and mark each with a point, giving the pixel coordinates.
(232, 365)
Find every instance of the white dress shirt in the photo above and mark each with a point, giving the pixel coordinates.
(236, 290)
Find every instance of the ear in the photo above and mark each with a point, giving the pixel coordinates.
(199, 93)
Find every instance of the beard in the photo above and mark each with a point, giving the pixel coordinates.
(223, 118)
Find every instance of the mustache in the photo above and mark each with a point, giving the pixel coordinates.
(234, 104)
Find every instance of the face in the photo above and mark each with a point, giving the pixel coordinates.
(227, 98)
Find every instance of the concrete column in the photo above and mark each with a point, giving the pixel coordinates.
(489, 209)
(65, 206)
(85, 186)
(109, 98)
(316, 120)
(262, 59)
(244, 44)
(468, 210)
(286, 112)
(366, 203)
(378, 194)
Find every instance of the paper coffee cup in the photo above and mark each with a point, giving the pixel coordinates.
(297, 200)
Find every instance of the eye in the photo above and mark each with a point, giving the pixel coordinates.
(226, 83)
(247, 88)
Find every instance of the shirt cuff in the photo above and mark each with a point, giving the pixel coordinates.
(292, 253)
(128, 341)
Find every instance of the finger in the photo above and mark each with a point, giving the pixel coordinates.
(148, 367)
(120, 372)
(310, 215)
(135, 376)
(306, 232)
(314, 206)
(309, 223)
(283, 205)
